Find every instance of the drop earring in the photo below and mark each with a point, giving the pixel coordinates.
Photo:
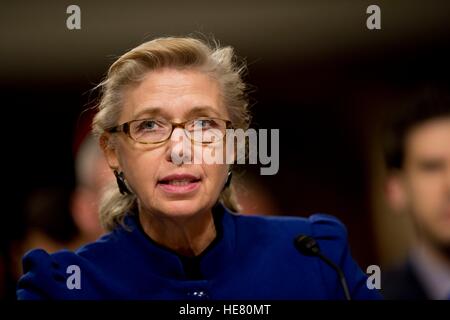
(228, 182)
(121, 183)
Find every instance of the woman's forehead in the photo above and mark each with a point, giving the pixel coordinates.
(174, 93)
(173, 85)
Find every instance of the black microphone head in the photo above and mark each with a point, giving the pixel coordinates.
(307, 245)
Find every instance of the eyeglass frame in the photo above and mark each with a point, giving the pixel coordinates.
(125, 128)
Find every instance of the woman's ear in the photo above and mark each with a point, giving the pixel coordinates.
(109, 150)
(395, 192)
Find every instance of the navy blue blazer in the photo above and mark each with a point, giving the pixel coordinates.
(252, 257)
(402, 283)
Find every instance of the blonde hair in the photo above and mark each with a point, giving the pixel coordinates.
(172, 52)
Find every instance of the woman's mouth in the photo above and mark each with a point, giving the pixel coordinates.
(179, 183)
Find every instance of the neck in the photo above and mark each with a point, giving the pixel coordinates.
(188, 236)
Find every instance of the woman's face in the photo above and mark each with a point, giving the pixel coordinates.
(162, 186)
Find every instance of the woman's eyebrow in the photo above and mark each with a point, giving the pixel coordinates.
(195, 111)
(203, 111)
(149, 112)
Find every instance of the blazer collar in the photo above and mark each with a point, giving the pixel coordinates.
(164, 262)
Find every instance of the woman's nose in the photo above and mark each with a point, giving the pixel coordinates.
(179, 150)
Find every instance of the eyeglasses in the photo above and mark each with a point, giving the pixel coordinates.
(149, 131)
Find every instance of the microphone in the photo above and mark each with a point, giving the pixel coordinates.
(308, 246)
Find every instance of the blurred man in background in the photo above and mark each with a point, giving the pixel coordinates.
(417, 155)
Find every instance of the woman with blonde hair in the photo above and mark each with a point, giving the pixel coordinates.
(174, 228)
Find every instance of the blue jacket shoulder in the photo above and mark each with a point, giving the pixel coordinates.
(320, 226)
(45, 275)
(276, 235)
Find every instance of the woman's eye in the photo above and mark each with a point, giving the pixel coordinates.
(147, 125)
(204, 123)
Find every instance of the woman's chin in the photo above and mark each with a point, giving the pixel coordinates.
(180, 208)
